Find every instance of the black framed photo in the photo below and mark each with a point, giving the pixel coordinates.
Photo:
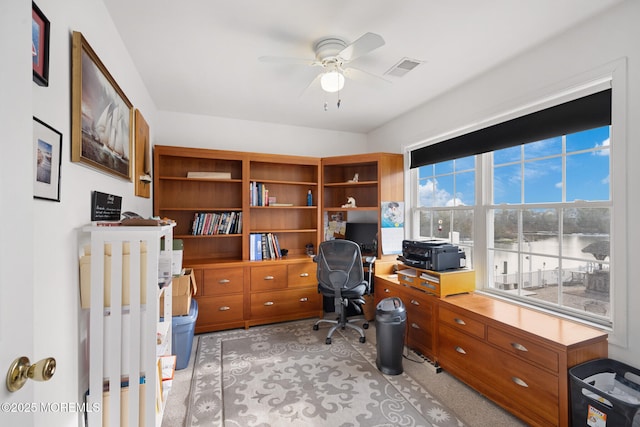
(40, 27)
(47, 158)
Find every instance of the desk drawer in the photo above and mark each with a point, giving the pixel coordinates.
(221, 281)
(286, 302)
(302, 275)
(524, 348)
(268, 277)
(223, 309)
(461, 322)
(505, 378)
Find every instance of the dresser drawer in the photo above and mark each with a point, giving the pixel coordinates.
(282, 303)
(420, 337)
(268, 277)
(388, 291)
(524, 348)
(221, 281)
(222, 309)
(302, 275)
(417, 306)
(505, 378)
(461, 322)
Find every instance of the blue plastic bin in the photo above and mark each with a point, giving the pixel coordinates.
(183, 328)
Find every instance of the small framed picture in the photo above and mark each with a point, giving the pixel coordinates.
(47, 159)
(40, 46)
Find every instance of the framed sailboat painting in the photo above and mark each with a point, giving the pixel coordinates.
(101, 114)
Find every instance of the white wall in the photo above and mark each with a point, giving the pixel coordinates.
(55, 225)
(188, 130)
(540, 71)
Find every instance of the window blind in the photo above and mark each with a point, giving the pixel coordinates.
(583, 113)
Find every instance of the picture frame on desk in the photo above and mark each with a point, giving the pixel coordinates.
(47, 159)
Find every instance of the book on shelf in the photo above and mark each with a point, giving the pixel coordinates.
(209, 175)
(259, 194)
(264, 246)
(210, 223)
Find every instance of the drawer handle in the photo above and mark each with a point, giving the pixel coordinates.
(414, 302)
(268, 303)
(269, 277)
(519, 382)
(304, 275)
(460, 350)
(459, 321)
(224, 308)
(224, 281)
(304, 299)
(519, 346)
(415, 326)
(386, 291)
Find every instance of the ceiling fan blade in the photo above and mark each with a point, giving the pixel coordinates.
(361, 75)
(365, 44)
(315, 81)
(287, 60)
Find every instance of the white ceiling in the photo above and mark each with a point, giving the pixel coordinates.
(201, 56)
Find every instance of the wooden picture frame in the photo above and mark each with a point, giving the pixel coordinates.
(47, 160)
(40, 28)
(142, 171)
(101, 114)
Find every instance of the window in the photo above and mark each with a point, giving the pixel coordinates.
(543, 212)
(446, 197)
(551, 221)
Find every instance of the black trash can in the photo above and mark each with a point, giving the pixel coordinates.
(391, 324)
(605, 392)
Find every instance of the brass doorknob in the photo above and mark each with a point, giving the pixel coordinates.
(21, 370)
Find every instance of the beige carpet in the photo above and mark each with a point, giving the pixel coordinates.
(469, 406)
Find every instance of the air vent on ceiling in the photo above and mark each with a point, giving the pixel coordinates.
(403, 67)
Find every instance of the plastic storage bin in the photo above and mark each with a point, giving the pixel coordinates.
(391, 324)
(605, 392)
(183, 328)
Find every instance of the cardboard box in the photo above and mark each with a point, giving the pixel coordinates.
(85, 275)
(183, 288)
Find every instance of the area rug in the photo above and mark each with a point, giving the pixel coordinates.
(285, 374)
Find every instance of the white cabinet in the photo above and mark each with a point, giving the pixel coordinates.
(126, 336)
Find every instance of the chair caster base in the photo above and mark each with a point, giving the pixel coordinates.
(316, 327)
(365, 326)
(363, 340)
(328, 341)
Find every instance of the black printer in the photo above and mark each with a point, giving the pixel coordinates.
(434, 255)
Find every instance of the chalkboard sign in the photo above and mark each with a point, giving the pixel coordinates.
(105, 207)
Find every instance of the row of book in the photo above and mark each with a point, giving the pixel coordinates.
(208, 223)
(259, 194)
(264, 246)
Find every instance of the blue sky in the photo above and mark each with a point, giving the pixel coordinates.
(540, 163)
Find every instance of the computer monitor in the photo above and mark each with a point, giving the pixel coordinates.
(364, 234)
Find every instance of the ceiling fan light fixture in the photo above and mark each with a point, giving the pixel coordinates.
(332, 81)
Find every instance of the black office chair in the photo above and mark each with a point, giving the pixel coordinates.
(341, 277)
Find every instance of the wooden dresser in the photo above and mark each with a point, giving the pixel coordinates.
(517, 357)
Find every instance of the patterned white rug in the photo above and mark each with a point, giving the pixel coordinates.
(285, 374)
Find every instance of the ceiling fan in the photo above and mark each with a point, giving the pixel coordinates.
(333, 55)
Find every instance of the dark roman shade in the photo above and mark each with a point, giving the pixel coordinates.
(584, 113)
